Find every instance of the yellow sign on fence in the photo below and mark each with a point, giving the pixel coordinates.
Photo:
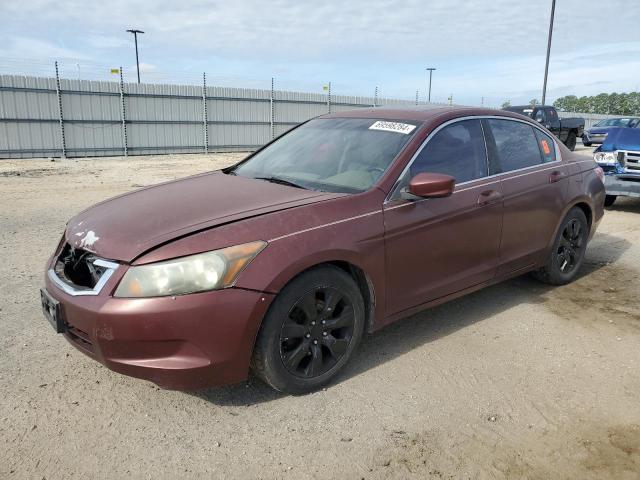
(115, 70)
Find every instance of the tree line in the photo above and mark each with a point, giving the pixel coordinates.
(604, 103)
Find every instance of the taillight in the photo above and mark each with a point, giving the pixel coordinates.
(600, 173)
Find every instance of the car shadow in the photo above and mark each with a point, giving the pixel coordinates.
(626, 204)
(430, 325)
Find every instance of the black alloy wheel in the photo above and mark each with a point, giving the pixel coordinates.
(571, 246)
(567, 253)
(310, 332)
(316, 333)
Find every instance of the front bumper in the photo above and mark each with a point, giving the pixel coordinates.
(593, 137)
(622, 185)
(184, 342)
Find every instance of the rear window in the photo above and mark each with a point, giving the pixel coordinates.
(516, 144)
(528, 111)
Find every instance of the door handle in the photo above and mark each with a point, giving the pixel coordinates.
(556, 176)
(489, 196)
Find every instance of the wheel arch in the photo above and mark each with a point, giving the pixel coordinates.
(357, 272)
(583, 205)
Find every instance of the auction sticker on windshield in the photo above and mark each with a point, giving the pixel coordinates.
(397, 127)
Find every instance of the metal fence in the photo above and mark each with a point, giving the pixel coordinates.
(56, 117)
(589, 118)
(59, 117)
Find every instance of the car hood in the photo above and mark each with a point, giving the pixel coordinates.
(620, 138)
(124, 227)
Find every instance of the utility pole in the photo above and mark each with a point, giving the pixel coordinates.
(546, 65)
(430, 69)
(135, 39)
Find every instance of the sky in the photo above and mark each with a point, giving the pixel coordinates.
(485, 51)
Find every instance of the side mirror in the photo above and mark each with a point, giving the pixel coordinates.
(429, 185)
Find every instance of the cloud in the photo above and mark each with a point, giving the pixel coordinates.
(490, 48)
(22, 47)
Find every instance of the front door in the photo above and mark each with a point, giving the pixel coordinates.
(435, 247)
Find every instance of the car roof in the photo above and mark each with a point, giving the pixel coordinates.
(419, 113)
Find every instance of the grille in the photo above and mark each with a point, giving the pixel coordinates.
(77, 268)
(80, 338)
(632, 161)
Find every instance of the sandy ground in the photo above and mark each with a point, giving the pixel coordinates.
(516, 381)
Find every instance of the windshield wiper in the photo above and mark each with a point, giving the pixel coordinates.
(281, 181)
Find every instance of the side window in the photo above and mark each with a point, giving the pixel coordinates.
(546, 145)
(552, 115)
(457, 150)
(516, 144)
(539, 115)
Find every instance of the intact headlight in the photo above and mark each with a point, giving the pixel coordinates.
(196, 273)
(606, 158)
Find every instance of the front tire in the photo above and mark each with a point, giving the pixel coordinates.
(609, 200)
(571, 141)
(567, 253)
(310, 332)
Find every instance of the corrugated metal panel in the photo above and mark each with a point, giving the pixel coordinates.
(160, 118)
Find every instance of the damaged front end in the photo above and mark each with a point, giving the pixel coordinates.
(619, 158)
(79, 272)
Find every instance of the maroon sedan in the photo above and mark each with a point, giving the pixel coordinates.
(341, 226)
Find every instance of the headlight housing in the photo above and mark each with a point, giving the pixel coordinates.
(212, 270)
(606, 158)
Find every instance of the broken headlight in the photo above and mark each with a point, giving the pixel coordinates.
(196, 273)
(606, 158)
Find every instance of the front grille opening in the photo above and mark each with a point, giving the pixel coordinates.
(80, 337)
(76, 267)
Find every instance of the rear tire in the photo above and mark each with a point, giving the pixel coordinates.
(567, 254)
(586, 144)
(571, 141)
(310, 331)
(609, 200)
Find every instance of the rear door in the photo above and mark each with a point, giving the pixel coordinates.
(534, 185)
(438, 246)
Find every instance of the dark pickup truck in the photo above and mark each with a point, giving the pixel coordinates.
(566, 129)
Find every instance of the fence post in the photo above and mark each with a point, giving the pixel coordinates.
(329, 97)
(205, 120)
(272, 111)
(416, 97)
(375, 98)
(60, 116)
(123, 116)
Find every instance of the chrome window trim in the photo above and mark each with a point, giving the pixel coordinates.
(68, 289)
(389, 198)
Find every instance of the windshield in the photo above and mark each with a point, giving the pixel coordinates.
(614, 122)
(346, 155)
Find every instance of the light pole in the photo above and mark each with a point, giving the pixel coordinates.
(546, 65)
(135, 39)
(430, 69)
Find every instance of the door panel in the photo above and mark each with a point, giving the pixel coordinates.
(534, 186)
(439, 246)
(532, 205)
